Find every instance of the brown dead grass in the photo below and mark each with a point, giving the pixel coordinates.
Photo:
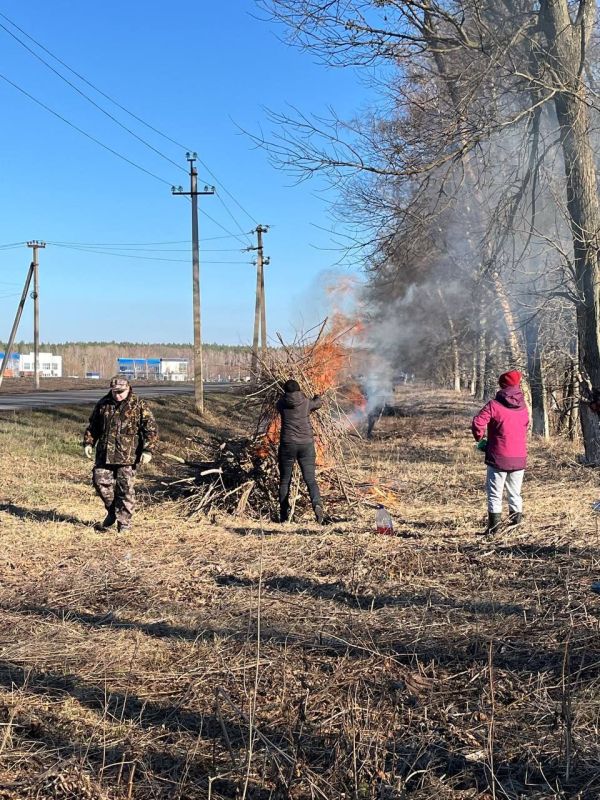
(237, 659)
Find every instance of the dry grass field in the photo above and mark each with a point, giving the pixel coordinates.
(223, 658)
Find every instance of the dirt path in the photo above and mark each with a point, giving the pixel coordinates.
(211, 660)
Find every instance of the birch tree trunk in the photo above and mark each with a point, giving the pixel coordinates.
(473, 379)
(490, 378)
(535, 368)
(453, 342)
(481, 365)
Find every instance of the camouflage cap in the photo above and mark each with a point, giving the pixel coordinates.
(119, 382)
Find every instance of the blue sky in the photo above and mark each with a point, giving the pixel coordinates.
(198, 71)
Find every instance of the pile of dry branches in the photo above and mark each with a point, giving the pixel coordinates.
(242, 475)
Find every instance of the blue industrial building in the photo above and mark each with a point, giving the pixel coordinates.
(154, 369)
(139, 368)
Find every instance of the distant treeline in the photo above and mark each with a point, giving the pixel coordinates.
(81, 357)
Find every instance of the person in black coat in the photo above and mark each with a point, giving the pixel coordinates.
(297, 444)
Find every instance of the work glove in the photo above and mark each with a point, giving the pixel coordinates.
(88, 450)
(146, 457)
(481, 445)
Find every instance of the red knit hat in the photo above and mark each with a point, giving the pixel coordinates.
(512, 378)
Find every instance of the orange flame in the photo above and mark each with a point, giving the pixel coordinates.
(324, 366)
(330, 354)
(269, 440)
(354, 395)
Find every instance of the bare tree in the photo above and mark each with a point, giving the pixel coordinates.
(464, 72)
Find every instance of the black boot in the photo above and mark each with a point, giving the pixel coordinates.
(319, 514)
(108, 521)
(514, 518)
(284, 511)
(493, 525)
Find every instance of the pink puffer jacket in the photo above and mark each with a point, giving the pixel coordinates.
(506, 419)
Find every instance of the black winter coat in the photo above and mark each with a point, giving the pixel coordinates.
(294, 408)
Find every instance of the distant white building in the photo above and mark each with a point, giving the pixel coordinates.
(50, 366)
(174, 369)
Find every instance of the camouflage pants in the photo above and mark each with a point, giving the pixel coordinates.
(115, 487)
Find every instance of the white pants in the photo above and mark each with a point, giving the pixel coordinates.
(495, 483)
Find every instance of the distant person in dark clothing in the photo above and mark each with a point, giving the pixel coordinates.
(373, 417)
(297, 444)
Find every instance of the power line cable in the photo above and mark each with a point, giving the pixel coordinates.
(127, 111)
(120, 244)
(221, 250)
(84, 133)
(214, 238)
(92, 248)
(94, 87)
(141, 244)
(137, 249)
(89, 99)
(218, 224)
(226, 207)
(121, 255)
(227, 192)
(228, 210)
(142, 258)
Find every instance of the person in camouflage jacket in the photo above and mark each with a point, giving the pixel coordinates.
(124, 432)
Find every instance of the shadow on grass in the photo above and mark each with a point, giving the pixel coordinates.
(535, 551)
(159, 630)
(415, 762)
(441, 757)
(336, 592)
(161, 765)
(428, 455)
(510, 653)
(41, 515)
(529, 552)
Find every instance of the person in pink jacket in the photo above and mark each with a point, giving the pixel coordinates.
(506, 420)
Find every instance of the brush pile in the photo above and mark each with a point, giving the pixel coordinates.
(242, 476)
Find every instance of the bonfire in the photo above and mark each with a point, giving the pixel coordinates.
(242, 477)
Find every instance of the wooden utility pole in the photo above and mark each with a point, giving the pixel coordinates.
(194, 193)
(257, 308)
(13, 333)
(263, 314)
(260, 312)
(35, 245)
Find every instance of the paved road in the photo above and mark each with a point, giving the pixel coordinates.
(77, 397)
